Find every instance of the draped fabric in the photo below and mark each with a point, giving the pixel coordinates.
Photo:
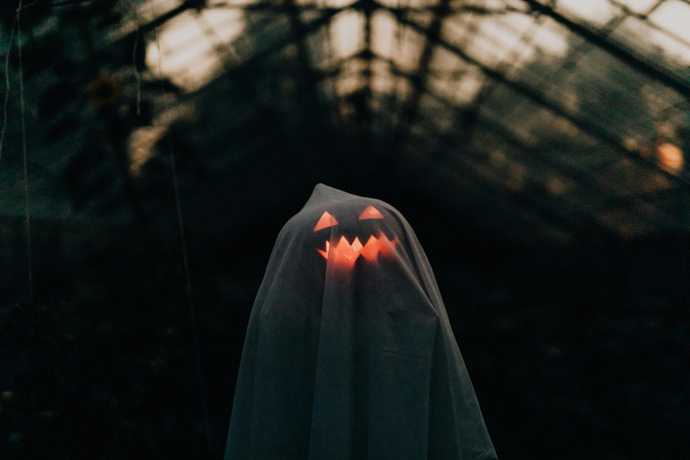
(349, 353)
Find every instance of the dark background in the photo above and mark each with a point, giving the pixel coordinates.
(125, 288)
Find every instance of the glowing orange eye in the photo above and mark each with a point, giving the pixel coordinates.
(326, 220)
(370, 213)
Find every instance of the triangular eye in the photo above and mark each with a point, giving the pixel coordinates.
(326, 220)
(370, 212)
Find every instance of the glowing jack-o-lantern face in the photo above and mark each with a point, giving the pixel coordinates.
(345, 252)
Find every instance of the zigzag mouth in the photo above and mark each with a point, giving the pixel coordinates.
(346, 252)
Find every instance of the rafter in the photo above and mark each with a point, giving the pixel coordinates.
(270, 7)
(618, 50)
(432, 34)
(300, 34)
(538, 158)
(552, 106)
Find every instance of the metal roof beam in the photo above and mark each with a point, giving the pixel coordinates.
(624, 54)
(552, 106)
(418, 81)
(300, 34)
(543, 159)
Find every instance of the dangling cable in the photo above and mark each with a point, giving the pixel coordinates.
(27, 213)
(190, 300)
(201, 381)
(3, 130)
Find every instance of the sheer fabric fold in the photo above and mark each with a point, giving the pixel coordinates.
(349, 353)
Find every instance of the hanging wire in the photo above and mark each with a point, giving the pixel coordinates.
(201, 381)
(3, 130)
(189, 296)
(22, 109)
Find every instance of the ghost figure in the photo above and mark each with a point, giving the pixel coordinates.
(349, 353)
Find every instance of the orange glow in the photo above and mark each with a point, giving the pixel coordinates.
(346, 254)
(370, 213)
(670, 157)
(376, 246)
(326, 220)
